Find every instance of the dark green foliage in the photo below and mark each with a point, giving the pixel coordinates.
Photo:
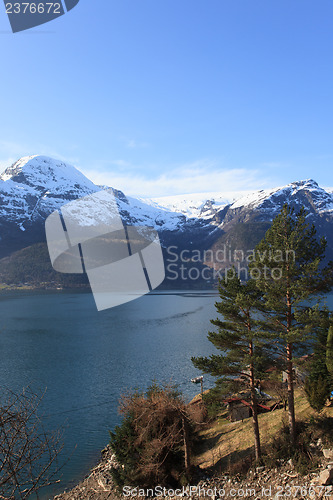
(242, 339)
(319, 381)
(329, 352)
(122, 442)
(317, 392)
(318, 367)
(235, 332)
(287, 267)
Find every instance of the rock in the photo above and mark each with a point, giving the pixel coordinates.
(328, 453)
(326, 477)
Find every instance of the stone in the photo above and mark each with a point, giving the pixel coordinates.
(326, 477)
(328, 453)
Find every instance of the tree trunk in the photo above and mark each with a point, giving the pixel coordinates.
(254, 408)
(187, 447)
(290, 375)
(291, 406)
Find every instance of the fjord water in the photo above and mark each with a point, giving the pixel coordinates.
(86, 359)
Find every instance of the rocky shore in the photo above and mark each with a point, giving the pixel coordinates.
(259, 483)
(97, 485)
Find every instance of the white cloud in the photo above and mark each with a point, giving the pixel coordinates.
(202, 176)
(198, 177)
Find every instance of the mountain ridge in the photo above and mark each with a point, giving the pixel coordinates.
(50, 183)
(35, 186)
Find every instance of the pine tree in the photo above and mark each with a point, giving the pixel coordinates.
(318, 366)
(317, 391)
(287, 267)
(319, 381)
(238, 338)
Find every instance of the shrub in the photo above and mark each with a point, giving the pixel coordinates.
(303, 454)
(153, 442)
(317, 392)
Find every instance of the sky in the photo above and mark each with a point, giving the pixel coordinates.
(164, 97)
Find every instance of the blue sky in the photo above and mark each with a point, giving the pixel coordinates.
(159, 97)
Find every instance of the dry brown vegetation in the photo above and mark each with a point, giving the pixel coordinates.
(223, 443)
(28, 453)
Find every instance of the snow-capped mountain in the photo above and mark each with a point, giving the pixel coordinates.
(266, 202)
(202, 205)
(306, 193)
(35, 186)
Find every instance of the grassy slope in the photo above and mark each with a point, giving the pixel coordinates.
(225, 442)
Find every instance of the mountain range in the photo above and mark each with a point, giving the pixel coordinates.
(35, 186)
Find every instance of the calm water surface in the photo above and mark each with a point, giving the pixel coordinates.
(86, 359)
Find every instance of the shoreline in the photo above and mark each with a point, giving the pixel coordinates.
(259, 482)
(97, 484)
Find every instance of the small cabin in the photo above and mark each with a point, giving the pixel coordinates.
(239, 409)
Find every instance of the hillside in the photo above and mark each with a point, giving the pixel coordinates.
(224, 442)
(32, 266)
(224, 456)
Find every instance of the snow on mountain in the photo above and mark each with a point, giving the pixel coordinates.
(42, 172)
(35, 186)
(150, 215)
(201, 205)
(303, 193)
(219, 208)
